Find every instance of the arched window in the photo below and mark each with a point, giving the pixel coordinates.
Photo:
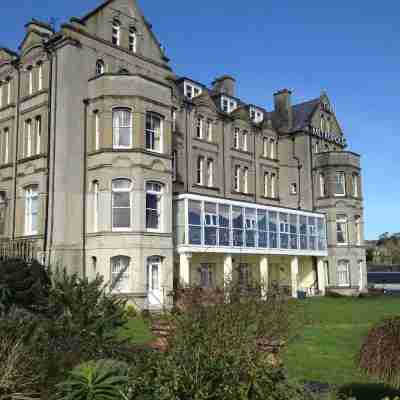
(122, 128)
(200, 170)
(121, 204)
(96, 194)
(343, 273)
(153, 133)
(153, 205)
(120, 274)
(116, 32)
(31, 210)
(99, 67)
(3, 211)
(132, 39)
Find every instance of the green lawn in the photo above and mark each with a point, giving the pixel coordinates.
(326, 346)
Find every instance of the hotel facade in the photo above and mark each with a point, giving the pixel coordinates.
(112, 164)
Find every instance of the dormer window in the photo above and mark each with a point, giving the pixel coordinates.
(227, 104)
(256, 115)
(116, 32)
(191, 90)
(132, 40)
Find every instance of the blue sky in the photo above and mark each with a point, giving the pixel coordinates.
(348, 48)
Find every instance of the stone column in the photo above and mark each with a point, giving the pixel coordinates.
(264, 276)
(227, 269)
(184, 269)
(321, 276)
(294, 272)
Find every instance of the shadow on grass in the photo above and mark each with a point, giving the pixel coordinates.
(367, 391)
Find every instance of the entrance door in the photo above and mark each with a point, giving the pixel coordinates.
(154, 293)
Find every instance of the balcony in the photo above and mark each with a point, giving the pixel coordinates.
(204, 224)
(337, 159)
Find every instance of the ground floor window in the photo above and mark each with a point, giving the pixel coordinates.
(207, 275)
(120, 274)
(153, 273)
(244, 275)
(343, 271)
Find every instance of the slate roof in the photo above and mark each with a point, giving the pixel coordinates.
(303, 112)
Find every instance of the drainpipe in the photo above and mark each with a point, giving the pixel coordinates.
(187, 148)
(16, 66)
(299, 167)
(84, 187)
(49, 51)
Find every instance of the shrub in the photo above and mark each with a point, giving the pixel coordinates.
(24, 284)
(380, 352)
(214, 351)
(96, 380)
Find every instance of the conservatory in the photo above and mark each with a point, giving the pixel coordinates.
(217, 237)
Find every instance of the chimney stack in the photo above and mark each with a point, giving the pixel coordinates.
(224, 85)
(283, 107)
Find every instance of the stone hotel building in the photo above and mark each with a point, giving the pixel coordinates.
(112, 164)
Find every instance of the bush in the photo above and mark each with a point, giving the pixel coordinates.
(26, 285)
(96, 380)
(380, 352)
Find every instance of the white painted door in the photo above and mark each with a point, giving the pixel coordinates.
(154, 293)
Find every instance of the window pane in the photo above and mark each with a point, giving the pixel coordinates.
(237, 217)
(262, 220)
(121, 217)
(121, 199)
(121, 184)
(194, 212)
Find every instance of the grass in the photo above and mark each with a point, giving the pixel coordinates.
(325, 348)
(137, 331)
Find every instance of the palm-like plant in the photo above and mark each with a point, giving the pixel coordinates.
(96, 380)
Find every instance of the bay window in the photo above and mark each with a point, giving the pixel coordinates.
(284, 230)
(210, 224)
(121, 204)
(224, 212)
(122, 128)
(153, 132)
(237, 225)
(262, 225)
(250, 227)
(194, 219)
(31, 210)
(153, 205)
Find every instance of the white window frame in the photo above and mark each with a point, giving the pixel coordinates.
(322, 185)
(28, 138)
(116, 32)
(293, 188)
(236, 178)
(40, 76)
(246, 180)
(100, 68)
(31, 199)
(272, 150)
(343, 267)
(132, 40)
(342, 175)
(266, 184)
(228, 104)
(38, 128)
(124, 190)
(153, 261)
(191, 90)
(209, 130)
(343, 221)
(155, 189)
(96, 130)
(273, 185)
(152, 132)
(236, 141)
(245, 141)
(265, 147)
(96, 194)
(200, 170)
(116, 129)
(200, 127)
(355, 185)
(6, 138)
(118, 264)
(30, 80)
(210, 172)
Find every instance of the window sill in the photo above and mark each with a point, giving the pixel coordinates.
(270, 198)
(243, 193)
(196, 185)
(204, 140)
(262, 157)
(30, 158)
(242, 151)
(32, 95)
